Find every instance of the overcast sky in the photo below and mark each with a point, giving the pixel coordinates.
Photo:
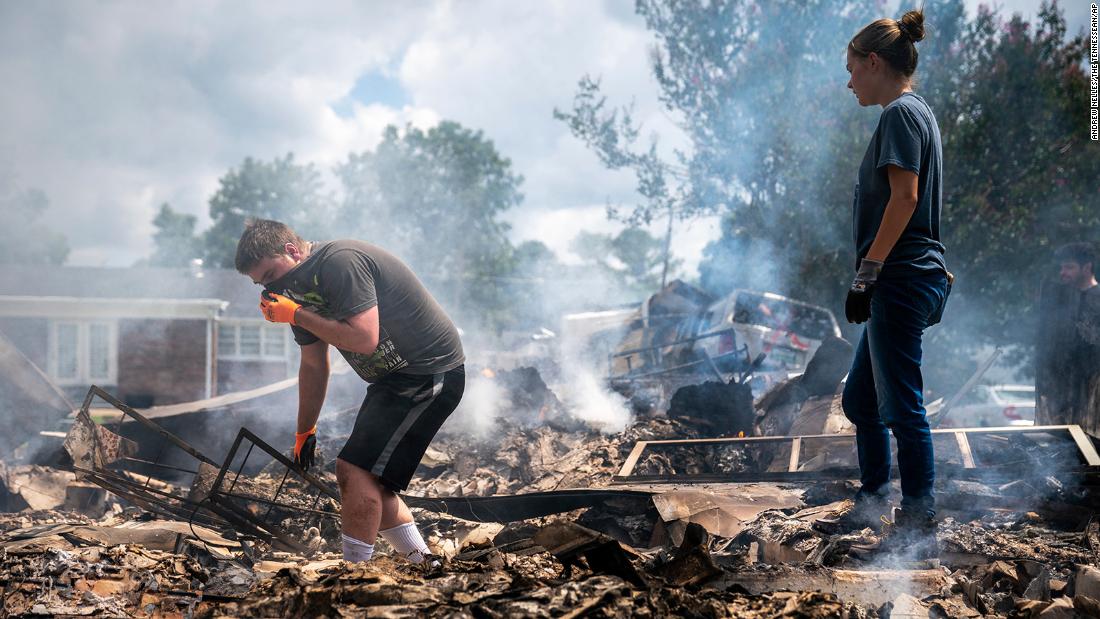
(113, 108)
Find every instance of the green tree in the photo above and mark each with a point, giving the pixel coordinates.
(1021, 175)
(281, 189)
(32, 242)
(534, 260)
(634, 259)
(175, 241)
(769, 122)
(435, 197)
(614, 136)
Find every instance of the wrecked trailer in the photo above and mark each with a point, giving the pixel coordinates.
(682, 329)
(683, 335)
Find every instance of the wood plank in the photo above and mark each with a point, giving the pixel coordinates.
(1084, 443)
(964, 447)
(796, 449)
(632, 459)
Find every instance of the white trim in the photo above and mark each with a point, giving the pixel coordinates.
(81, 308)
(209, 359)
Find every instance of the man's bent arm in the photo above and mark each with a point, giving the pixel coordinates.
(358, 333)
(312, 384)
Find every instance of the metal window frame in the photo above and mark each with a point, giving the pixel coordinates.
(226, 501)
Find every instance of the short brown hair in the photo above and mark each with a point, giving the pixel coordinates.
(893, 40)
(263, 238)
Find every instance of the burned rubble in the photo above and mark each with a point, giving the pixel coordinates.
(547, 516)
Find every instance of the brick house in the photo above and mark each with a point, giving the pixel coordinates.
(151, 335)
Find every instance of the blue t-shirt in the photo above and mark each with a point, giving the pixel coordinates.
(907, 136)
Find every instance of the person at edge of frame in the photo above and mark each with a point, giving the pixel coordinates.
(1067, 351)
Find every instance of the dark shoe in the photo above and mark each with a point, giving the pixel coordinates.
(910, 536)
(917, 519)
(864, 511)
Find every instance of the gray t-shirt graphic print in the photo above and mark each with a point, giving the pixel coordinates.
(343, 278)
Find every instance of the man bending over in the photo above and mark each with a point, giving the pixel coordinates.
(369, 305)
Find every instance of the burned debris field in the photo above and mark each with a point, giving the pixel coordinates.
(773, 309)
(550, 515)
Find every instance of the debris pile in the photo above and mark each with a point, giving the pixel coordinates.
(723, 409)
(533, 459)
(547, 517)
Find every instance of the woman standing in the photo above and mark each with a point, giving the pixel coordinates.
(901, 281)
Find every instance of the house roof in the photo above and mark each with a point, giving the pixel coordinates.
(133, 283)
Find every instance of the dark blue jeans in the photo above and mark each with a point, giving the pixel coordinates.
(885, 391)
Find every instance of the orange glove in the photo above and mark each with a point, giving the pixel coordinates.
(277, 308)
(305, 447)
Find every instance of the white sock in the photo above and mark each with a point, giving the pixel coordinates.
(406, 541)
(356, 551)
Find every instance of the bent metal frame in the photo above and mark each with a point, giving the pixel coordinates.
(1088, 459)
(104, 457)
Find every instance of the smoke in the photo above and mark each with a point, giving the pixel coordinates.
(902, 555)
(496, 401)
(588, 398)
(483, 403)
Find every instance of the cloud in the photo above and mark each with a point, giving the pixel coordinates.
(115, 107)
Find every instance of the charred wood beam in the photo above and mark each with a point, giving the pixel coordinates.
(511, 508)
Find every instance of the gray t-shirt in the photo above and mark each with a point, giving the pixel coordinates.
(343, 278)
(907, 136)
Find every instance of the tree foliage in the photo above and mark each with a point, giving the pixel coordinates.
(175, 243)
(1021, 176)
(633, 258)
(281, 189)
(30, 240)
(436, 198)
(763, 107)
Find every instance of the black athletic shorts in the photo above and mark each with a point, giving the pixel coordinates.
(398, 419)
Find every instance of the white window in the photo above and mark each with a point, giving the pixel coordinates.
(83, 352)
(240, 340)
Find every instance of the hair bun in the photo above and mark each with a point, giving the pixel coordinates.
(912, 25)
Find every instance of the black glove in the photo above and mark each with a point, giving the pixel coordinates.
(305, 447)
(857, 307)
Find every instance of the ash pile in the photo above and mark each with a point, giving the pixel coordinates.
(691, 510)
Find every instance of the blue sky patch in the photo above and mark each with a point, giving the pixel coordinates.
(372, 87)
